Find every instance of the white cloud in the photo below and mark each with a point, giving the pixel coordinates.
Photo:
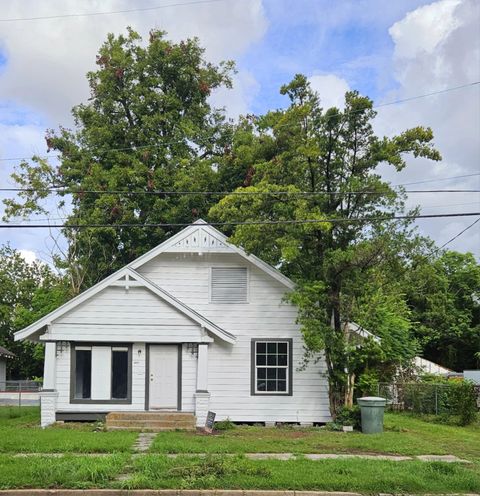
(47, 59)
(28, 255)
(438, 47)
(330, 88)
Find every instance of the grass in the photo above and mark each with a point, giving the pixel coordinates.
(404, 435)
(20, 433)
(215, 472)
(66, 472)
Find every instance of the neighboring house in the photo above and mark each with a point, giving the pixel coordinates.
(196, 324)
(4, 356)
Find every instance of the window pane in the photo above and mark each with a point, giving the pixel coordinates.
(271, 359)
(83, 374)
(261, 386)
(282, 386)
(261, 373)
(282, 348)
(119, 374)
(261, 347)
(271, 373)
(271, 385)
(282, 359)
(282, 374)
(261, 359)
(271, 347)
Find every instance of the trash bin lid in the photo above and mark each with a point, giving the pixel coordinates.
(372, 401)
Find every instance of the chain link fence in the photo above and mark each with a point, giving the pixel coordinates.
(20, 393)
(418, 397)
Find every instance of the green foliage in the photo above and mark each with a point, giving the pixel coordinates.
(368, 383)
(147, 126)
(225, 425)
(444, 295)
(463, 402)
(349, 416)
(328, 153)
(28, 291)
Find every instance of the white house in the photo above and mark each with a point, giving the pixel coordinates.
(194, 325)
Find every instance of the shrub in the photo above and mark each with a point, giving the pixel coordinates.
(225, 425)
(349, 416)
(463, 401)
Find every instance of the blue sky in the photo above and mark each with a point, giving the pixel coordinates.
(387, 50)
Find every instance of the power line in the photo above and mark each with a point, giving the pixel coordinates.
(439, 179)
(166, 143)
(123, 11)
(458, 235)
(225, 193)
(242, 223)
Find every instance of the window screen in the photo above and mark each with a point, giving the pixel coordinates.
(229, 285)
(83, 373)
(271, 367)
(119, 373)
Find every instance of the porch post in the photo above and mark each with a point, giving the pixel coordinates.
(48, 395)
(202, 396)
(49, 365)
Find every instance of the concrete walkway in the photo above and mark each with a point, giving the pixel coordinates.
(142, 445)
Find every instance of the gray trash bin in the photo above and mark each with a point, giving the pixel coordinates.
(372, 409)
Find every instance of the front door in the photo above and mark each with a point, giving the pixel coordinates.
(163, 380)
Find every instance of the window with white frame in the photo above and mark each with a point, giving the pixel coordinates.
(271, 366)
(101, 373)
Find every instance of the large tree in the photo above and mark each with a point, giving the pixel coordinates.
(28, 291)
(444, 294)
(333, 156)
(147, 126)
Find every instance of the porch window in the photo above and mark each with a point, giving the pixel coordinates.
(271, 367)
(83, 372)
(101, 373)
(119, 373)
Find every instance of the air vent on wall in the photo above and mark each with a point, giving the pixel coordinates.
(229, 285)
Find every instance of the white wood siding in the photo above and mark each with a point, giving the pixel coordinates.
(115, 305)
(186, 276)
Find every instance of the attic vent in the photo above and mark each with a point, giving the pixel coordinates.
(229, 285)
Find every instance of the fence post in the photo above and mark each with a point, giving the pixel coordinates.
(19, 395)
(436, 399)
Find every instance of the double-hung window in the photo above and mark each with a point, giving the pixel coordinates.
(271, 366)
(100, 373)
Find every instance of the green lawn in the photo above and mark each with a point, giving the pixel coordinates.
(216, 472)
(69, 471)
(20, 433)
(404, 435)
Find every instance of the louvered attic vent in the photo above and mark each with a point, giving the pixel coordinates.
(229, 285)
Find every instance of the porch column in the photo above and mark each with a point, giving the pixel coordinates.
(48, 395)
(49, 365)
(202, 368)
(202, 396)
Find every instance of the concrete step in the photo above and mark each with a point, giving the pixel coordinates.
(151, 421)
(150, 416)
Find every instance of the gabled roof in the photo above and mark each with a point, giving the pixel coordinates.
(4, 353)
(208, 239)
(125, 277)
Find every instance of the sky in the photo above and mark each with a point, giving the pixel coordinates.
(389, 51)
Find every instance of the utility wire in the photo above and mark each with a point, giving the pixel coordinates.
(244, 223)
(166, 143)
(458, 235)
(109, 12)
(439, 179)
(225, 193)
